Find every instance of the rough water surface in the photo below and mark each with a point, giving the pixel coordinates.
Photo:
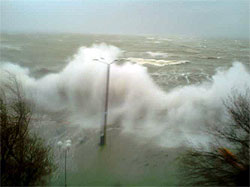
(163, 92)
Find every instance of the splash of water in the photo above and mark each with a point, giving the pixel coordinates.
(136, 104)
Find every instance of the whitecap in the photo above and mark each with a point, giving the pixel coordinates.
(10, 47)
(157, 54)
(155, 62)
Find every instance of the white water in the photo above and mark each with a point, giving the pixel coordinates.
(157, 54)
(155, 62)
(136, 103)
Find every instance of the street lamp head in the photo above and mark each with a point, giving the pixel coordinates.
(59, 143)
(68, 141)
(65, 145)
(68, 145)
(116, 60)
(103, 60)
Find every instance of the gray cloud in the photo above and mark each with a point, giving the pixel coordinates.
(228, 18)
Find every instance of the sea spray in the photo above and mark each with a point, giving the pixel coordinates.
(137, 105)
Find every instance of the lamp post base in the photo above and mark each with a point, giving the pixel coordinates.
(102, 140)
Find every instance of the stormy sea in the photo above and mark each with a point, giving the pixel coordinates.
(163, 93)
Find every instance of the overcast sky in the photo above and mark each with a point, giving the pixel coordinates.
(227, 18)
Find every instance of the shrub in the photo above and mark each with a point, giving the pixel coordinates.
(25, 159)
(226, 161)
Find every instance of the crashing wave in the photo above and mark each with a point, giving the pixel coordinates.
(137, 105)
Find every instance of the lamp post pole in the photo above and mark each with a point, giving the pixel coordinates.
(65, 168)
(103, 131)
(66, 146)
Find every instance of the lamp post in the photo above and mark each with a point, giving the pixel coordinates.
(66, 145)
(103, 131)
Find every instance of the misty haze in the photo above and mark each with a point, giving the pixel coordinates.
(125, 92)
